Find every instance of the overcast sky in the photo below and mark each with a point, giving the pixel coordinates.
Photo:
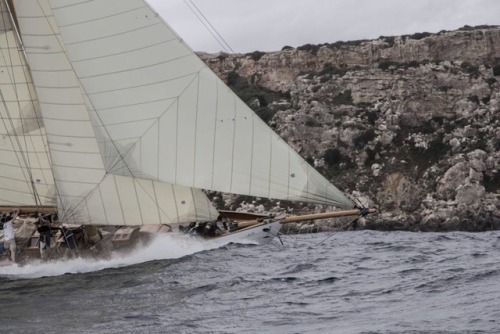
(268, 25)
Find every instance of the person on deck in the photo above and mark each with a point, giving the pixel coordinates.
(10, 234)
(69, 244)
(211, 229)
(45, 232)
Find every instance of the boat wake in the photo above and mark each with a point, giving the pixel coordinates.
(163, 246)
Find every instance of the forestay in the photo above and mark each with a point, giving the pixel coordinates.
(89, 191)
(165, 116)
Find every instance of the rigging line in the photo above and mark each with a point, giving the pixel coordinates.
(357, 202)
(23, 156)
(206, 23)
(15, 27)
(339, 229)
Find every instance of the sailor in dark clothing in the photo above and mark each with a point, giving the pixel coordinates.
(45, 236)
(69, 238)
(45, 231)
(203, 229)
(68, 241)
(193, 228)
(211, 229)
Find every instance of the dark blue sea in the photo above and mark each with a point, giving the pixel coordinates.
(348, 282)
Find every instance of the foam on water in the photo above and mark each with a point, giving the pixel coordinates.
(164, 246)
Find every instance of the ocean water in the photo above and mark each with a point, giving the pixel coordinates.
(348, 282)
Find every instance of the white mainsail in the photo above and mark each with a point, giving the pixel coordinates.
(166, 115)
(25, 172)
(88, 192)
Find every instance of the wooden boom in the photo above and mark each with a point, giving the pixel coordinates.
(324, 215)
(29, 209)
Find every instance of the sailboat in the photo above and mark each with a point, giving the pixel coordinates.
(110, 119)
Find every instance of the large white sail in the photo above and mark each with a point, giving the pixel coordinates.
(25, 173)
(167, 117)
(87, 191)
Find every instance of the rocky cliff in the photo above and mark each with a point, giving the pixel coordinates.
(409, 124)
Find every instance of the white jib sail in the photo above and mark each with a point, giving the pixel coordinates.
(25, 173)
(188, 128)
(87, 192)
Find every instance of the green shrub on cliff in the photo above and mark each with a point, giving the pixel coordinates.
(420, 35)
(496, 70)
(256, 55)
(335, 160)
(365, 137)
(472, 69)
(343, 98)
(248, 92)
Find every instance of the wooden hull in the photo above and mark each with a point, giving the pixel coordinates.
(259, 230)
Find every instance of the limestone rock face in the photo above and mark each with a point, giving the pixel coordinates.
(410, 122)
(278, 70)
(451, 180)
(470, 194)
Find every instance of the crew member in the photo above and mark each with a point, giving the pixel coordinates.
(10, 234)
(45, 232)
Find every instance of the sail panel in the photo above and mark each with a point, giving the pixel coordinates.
(261, 159)
(93, 11)
(224, 140)
(85, 50)
(280, 176)
(109, 194)
(8, 40)
(119, 74)
(146, 193)
(186, 136)
(13, 74)
(167, 135)
(13, 194)
(59, 112)
(205, 132)
(127, 64)
(150, 150)
(133, 215)
(243, 140)
(132, 113)
(135, 95)
(9, 89)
